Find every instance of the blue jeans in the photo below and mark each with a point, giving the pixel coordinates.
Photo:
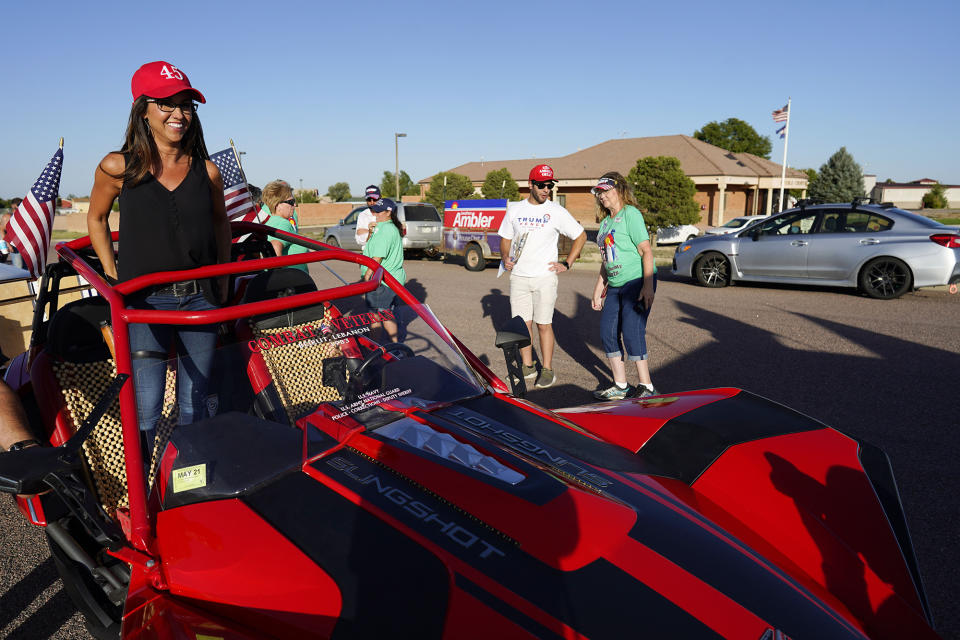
(621, 315)
(194, 348)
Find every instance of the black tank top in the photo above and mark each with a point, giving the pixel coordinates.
(162, 230)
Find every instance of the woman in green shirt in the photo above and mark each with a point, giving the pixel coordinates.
(386, 247)
(278, 199)
(625, 287)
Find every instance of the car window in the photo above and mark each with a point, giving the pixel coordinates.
(352, 218)
(863, 222)
(789, 224)
(832, 222)
(420, 213)
(736, 223)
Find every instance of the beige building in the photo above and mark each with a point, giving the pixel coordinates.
(728, 184)
(909, 195)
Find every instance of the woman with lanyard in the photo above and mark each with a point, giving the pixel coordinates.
(172, 217)
(625, 287)
(386, 247)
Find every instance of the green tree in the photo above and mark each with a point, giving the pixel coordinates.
(735, 135)
(339, 192)
(494, 188)
(840, 179)
(388, 186)
(310, 195)
(664, 192)
(936, 198)
(458, 187)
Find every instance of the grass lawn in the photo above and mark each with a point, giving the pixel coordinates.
(949, 221)
(66, 235)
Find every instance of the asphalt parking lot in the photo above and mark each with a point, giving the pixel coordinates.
(885, 371)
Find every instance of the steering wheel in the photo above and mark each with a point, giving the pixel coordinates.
(395, 349)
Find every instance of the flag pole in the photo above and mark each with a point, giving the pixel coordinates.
(783, 169)
(61, 143)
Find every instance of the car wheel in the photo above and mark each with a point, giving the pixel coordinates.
(473, 258)
(885, 278)
(333, 242)
(712, 269)
(432, 252)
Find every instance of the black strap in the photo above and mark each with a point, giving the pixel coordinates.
(145, 355)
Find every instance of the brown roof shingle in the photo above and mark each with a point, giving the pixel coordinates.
(697, 158)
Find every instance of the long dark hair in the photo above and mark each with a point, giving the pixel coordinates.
(142, 151)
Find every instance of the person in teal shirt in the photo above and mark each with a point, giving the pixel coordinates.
(386, 247)
(625, 287)
(278, 198)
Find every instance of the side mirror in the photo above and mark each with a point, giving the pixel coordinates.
(341, 221)
(511, 338)
(754, 234)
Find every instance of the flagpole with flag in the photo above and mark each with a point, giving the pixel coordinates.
(783, 115)
(31, 225)
(236, 194)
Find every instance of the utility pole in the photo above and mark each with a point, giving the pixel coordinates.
(396, 158)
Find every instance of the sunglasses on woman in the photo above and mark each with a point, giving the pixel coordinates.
(544, 185)
(292, 202)
(168, 106)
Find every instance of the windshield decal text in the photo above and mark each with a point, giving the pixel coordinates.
(329, 330)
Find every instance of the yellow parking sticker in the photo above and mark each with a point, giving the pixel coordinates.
(189, 478)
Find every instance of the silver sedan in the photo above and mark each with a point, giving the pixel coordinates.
(882, 250)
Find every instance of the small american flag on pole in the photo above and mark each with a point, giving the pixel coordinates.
(30, 225)
(235, 191)
(780, 115)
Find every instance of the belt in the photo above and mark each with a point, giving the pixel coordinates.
(179, 289)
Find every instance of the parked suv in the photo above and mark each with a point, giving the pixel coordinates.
(421, 221)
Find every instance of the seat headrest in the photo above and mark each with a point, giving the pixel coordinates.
(278, 283)
(74, 333)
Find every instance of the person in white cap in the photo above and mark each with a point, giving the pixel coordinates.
(528, 244)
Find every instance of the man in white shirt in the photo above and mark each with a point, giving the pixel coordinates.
(528, 246)
(366, 222)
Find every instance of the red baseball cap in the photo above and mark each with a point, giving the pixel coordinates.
(161, 80)
(542, 173)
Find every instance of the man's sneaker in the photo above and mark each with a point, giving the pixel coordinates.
(546, 379)
(613, 392)
(642, 392)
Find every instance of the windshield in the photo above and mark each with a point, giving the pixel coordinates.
(736, 223)
(327, 365)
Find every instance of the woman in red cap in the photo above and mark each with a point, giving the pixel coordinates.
(172, 217)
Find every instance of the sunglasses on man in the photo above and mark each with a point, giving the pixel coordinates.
(544, 185)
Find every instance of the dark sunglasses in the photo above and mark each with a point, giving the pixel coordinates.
(292, 202)
(168, 106)
(544, 185)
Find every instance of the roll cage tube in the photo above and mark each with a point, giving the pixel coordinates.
(141, 536)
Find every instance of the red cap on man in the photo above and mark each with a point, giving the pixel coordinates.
(161, 80)
(542, 173)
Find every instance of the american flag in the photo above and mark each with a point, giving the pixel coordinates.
(782, 131)
(235, 192)
(780, 115)
(29, 227)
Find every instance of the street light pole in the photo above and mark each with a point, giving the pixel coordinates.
(396, 157)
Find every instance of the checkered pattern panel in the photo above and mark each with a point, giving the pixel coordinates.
(296, 368)
(82, 384)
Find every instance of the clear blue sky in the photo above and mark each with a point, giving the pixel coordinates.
(315, 90)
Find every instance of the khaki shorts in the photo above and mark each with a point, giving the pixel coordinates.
(533, 298)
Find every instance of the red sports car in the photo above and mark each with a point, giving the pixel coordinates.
(346, 486)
